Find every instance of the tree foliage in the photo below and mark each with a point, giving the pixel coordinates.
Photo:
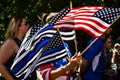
(31, 8)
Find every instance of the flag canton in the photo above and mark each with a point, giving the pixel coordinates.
(108, 14)
(60, 63)
(55, 42)
(35, 28)
(59, 16)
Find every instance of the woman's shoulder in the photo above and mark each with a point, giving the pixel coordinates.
(8, 48)
(10, 40)
(9, 43)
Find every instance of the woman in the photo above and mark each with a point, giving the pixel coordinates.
(15, 33)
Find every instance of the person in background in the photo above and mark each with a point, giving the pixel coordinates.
(118, 40)
(109, 73)
(92, 67)
(15, 33)
(47, 16)
(116, 59)
(44, 16)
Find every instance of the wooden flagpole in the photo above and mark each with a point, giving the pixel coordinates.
(70, 4)
(75, 41)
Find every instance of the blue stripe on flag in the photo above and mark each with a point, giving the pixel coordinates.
(45, 28)
(26, 59)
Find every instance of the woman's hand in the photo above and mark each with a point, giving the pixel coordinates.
(75, 61)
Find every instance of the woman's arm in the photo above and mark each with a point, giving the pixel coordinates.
(73, 62)
(83, 67)
(6, 51)
(114, 55)
(48, 71)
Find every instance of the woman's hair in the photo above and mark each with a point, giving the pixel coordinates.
(12, 29)
(44, 16)
(48, 16)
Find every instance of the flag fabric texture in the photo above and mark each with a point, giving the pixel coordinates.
(53, 51)
(92, 19)
(30, 36)
(33, 30)
(29, 52)
(46, 47)
(59, 16)
(66, 34)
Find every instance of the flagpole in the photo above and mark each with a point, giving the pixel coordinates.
(61, 38)
(75, 41)
(70, 4)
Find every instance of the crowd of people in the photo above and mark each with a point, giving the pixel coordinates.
(100, 62)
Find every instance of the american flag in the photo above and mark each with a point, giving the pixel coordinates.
(92, 19)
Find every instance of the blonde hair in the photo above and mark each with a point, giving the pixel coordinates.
(47, 16)
(12, 29)
(44, 16)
